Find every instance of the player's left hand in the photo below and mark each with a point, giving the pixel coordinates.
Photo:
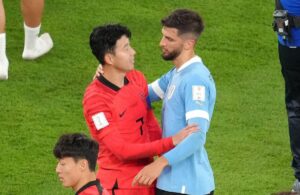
(149, 173)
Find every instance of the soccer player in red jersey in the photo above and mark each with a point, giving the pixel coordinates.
(119, 116)
(77, 156)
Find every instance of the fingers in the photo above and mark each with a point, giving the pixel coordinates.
(151, 181)
(189, 130)
(136, 179)
(192, 125)
(192, 128)
(186, 131)
(100, 69)
(98, 72)
(141, 180)
(144, 180)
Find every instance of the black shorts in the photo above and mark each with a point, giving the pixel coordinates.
(162, 192)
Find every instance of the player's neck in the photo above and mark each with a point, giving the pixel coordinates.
(86, 178)
(114, 76)
(183, 57)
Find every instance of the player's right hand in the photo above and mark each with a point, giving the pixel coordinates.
(98, 72)
(183, 133)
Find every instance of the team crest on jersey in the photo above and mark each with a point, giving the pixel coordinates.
(171, 91)
(198, 93)
(200, 103)
(100, 120)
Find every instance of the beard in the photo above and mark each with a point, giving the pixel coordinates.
(171, 56)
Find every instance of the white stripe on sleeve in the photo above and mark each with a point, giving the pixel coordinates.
(156, 88)
(197, 113)
(182, 189)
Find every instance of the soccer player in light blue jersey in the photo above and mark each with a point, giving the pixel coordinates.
(188, 93)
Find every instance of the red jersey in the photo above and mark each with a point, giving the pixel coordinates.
(92, 188)
(125, 127)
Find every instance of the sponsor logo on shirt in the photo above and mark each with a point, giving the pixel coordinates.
(100, 120)
(122, 113)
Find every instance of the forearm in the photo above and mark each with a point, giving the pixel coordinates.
(154, 130)
(130, 151)
(191, 144)
(150, 172)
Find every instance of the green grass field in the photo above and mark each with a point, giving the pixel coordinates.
(248, 142)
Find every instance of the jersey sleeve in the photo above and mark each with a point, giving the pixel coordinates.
(98, 115)
(196, 99)
(158, 88)
(103, 128)
(155, 132)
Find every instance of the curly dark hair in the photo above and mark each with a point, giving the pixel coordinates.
(103, 39)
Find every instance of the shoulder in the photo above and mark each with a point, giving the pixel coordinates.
(93, 90)
(168, 75)
(96, 96)
(197, 73)
(137, 77)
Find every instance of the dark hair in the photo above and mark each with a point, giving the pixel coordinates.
(185, 21)
(77, 146)
(103, 39)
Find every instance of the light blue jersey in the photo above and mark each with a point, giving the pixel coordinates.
(189, 96)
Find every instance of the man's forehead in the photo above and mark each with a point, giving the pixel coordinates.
(66, 159)
(169, 31)
(124, 40)
(173, 32)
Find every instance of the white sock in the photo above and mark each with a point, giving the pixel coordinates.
(2, 46)
(35, 45)
(3, 58)
(31, 36)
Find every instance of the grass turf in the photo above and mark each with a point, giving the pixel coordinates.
(248, 141)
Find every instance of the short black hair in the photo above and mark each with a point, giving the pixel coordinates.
(77, 146)
(103, 39)
(185, 21)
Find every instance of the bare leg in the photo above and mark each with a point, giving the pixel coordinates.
(34, 46)
(32, 11)
(2, 18)
(3, 58)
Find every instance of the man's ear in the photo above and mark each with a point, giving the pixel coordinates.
(189, 44)
(83, 163)
(108, 58)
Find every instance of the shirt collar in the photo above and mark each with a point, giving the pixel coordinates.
(189, 62)
(89, 184)
(114, 87)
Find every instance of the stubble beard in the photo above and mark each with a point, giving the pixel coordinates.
(171, 56)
